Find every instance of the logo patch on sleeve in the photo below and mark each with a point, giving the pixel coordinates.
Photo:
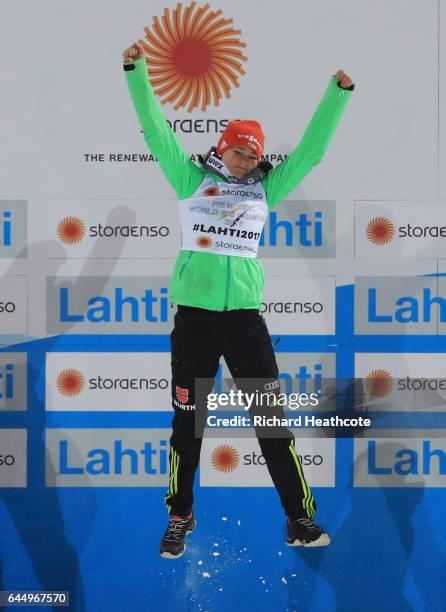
(182, 394)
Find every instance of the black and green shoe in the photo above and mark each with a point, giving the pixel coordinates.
(173, 543)
(303, 532)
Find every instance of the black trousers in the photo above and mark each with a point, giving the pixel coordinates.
(199, 338)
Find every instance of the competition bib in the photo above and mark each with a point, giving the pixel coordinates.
(228, 223)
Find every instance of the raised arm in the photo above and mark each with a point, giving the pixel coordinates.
(280, 181)
(180, 171)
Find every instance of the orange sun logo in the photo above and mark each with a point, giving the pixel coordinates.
(70, 230)
(379, 383)
(204, 242)
(193, 55)
(380, 230)
(70, 382)
(225, 458)
(212, 191)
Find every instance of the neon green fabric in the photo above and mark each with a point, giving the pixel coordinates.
(208, 280)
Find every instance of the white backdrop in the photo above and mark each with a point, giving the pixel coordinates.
(64, 95)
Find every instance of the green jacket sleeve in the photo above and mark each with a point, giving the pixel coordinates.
(280, 181)
(180, 171)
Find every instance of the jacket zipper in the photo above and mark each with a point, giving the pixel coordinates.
(184, 265)
(228, 271)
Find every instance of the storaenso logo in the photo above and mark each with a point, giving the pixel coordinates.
(422, 231)
(381, 231)
(242, 192)
(71, 382)
(196, 48)
(99, 383)
(257, 459)
(211, 191)
(378, 383)
(250, 469)
(225, 458)
(292, 307)
(198, 126)
(421, 384)
(71, 230)
(401, 230)
(128, 231)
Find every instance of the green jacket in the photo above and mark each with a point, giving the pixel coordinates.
(214, 281)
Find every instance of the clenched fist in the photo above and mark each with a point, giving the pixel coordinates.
(133, 53)
(344, 79)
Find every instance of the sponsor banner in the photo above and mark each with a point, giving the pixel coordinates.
(239, 462)
(300, 305)
(107, 305)
(13, 228)
(298, 373)
(400, 229)
(142, 229)
(402, 381)
(400, 461)
(13, 457)
(399, 305)
(107, 457)
(223, 218)
(13, 381)
(13, 307)
(300, 228)
(108, 382)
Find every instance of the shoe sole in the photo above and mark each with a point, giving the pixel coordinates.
(323, 540)
(168, 555)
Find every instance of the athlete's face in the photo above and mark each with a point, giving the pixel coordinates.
(239, 160)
